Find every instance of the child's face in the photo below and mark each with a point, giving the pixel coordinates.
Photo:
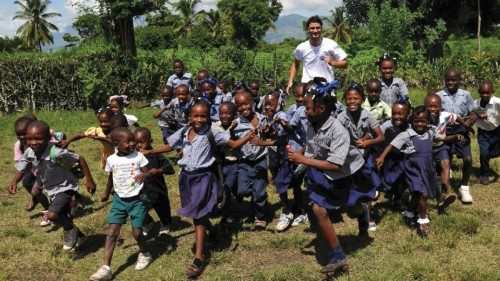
(209, 89)
(312, 113)
(20, 131)
(433, 105)
(104, 123)
(244, 104)
(270, 105)
(255, 88)
(198, 116)
(399, 115)
(37, 139)
(182, 94)
(226, 116)
(166, 95)
(222, 86)
(387, 69)
(125, 143)
(142, 140)
(353, 100)
(485, 92)
(452, 81)
(299, 96)
(114, 106)
(178, 68)
(420, 123)
(373, 91)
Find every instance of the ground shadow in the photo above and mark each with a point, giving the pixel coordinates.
(93, 244)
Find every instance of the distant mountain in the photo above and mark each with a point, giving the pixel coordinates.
(289, 26)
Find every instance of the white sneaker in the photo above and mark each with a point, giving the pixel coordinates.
(143, 260)
(284, 221)
(45, 220)
(464, 194)
(104, 273)
(300, 219)
(164, 229)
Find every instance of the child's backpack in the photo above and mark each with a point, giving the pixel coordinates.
(76, 170)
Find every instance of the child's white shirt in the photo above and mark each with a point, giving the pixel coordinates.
(124, 169)
(492, 111)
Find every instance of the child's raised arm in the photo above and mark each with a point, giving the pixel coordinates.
(65, 143)
(162, 149)
(283, 140)
(240, 142)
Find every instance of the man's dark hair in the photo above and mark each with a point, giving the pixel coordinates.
(312, 19)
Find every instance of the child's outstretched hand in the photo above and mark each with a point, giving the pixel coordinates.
(295, 156)
(91, 187)
(63, 144)
(141, 177)
(256, 140)
(361, 143)
(281, 122)
(12, 188)
(379, 161)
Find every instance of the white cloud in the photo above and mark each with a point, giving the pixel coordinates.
(309, 7)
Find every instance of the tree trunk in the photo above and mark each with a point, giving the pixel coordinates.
(126, 33)
(478, 26)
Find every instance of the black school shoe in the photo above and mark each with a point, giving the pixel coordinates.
(338, 266)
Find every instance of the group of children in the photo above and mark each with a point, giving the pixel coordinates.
(227, 142)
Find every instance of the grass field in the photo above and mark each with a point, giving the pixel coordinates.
(464, 245)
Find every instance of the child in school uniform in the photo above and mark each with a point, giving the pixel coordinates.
(279, 131)
(252, 166)
(441, 153)
(227, 117)
(179, 106)
(28, 180)
(154, 185)
(208, 86)
(334, 181)
(488, 132)
(392, 171)
(118, 103)
(380, 110)
(53, 174)
(420, 171)
(179, 77)
(393, 88)
(198, 180)
(459, 102)
(127, 172)
(165, 120)
(364, 132)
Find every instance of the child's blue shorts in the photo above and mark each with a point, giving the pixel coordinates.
(122, 208)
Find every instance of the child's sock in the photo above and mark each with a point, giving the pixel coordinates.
(337, 254)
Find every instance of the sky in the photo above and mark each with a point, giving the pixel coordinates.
(69, 9)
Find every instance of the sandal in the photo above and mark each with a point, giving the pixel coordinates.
(193, 271)
(446, 200)
(338, 266)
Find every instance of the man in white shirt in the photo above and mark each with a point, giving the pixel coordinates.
(319, 55)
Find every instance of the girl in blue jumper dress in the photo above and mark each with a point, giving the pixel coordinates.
(198, 183)
(365, 133)
(280, 133)
(420, 170)
(333, 165)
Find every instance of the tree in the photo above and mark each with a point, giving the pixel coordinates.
(188, 15)
(340, 30)
(250, 19)
(36, 30)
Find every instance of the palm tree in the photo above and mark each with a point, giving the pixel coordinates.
(36, 30)
(186, 9)
(214, 20)
(340, 30)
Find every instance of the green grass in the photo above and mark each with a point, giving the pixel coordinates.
(465, 243)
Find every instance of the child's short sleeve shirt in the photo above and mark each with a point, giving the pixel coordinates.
(249, 151)
(391, 93)
(403, 143)
(331, 143)
(492, 111)
(366, 124)
(124, 169)
(197, 154)
(54, 177)
(460, 103)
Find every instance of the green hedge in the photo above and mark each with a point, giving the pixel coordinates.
(85, 76)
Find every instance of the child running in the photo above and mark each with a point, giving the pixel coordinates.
(279, 131)
(53, 174)
(198, 183)
(154, 185)
(334, 181)
(127, 172)
(488, 132)
(420, 171)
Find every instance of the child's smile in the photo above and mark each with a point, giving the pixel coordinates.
(353, 100)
